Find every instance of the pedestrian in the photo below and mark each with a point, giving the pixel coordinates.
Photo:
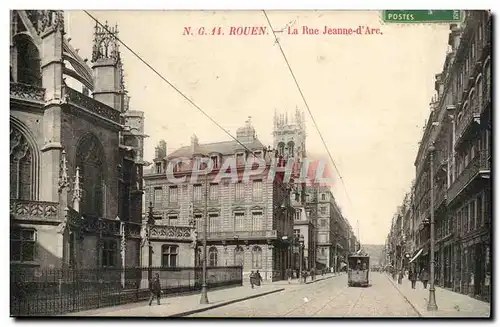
(289, 275)
(155, 289)
(412, 276)
(313, 274)
(424, 277)
(400, 277)
(304, 276)
(252, 279)
(258, 278)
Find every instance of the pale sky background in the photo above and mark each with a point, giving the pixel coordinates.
(369, 94)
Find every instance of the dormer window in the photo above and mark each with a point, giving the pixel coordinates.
(158, 167)
(240, 159)
(215, 161)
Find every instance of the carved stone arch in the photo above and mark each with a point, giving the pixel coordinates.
(22, 145)
(28, 60)
(91, 159)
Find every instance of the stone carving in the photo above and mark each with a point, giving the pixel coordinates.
(98, 108)
(27, 92)
(34, 210)
(105, 43)
(173, 232)
(50, 19)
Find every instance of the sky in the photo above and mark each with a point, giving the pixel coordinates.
(369, 94)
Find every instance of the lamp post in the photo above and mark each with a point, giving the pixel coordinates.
(150, 222)
(301, 251)
(204, 295)
(431, 304)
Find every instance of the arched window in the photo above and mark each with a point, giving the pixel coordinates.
(291, 147)
(28, 62)
(239, 256)
(169, 254)
(281, 148)
(256, 257)
(22, 167)
(90, 159)
(212, 257)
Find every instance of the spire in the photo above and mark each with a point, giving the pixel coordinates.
(286, 117)
(77, 192)
(106, 43)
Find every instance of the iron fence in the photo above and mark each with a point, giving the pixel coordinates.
(42, 292)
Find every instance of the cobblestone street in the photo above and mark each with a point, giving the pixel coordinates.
(329, 298)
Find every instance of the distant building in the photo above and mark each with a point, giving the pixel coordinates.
(75, 160)
(250, 222)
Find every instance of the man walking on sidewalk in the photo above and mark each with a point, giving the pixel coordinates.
(424, 277)
(289, 275)
(252, 279)
(155, 289)
(412, 276)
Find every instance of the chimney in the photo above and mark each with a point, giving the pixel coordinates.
(194, 143)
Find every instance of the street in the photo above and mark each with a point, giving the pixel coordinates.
(328, 298)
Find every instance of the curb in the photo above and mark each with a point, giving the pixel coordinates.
(210, 307)
(406, 299)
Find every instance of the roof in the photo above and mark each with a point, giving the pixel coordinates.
(224, 148)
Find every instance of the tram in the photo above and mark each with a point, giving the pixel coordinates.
(358, 271)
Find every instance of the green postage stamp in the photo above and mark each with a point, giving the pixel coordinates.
(422, 16)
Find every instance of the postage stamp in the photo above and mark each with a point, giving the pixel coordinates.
(264, 163)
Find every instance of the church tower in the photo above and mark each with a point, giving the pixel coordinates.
(290, 135)
(108, 68)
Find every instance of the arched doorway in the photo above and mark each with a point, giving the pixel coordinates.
(90, 159)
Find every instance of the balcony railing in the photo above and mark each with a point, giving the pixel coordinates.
(27, 92)
(241, 235)
(467, 118)
(439, 195)
(35, 210)
(76, 98)
(478, 164)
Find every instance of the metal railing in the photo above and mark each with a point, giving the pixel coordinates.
(47, 292)
(479, 163)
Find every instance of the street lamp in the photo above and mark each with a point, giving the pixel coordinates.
(431, 304)
(301, 251)
(204, 295)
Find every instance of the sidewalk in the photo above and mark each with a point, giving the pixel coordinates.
(182, 305)
(450, 304)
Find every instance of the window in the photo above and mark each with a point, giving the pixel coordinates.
(323, 197)
(214, 223)
(109, 253)
(22, 244)
(239, 221)
(21, 166)
(322, 222)
(322, 210)
(157, 197)
(212, 257)
(215, 162)
(296, 232)
(172, 194)
(198, 221)
(158, 167)
(169, 255)
(257, 190)
(240, 159)
(239, 256)
(239, 191)
(214, 192)
(256, 257)
(257, 221)
(172, 220)
(322, 251)
(197, 194)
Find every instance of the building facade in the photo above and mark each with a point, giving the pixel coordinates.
(455, 151)
(75, 158)
(250, 221)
